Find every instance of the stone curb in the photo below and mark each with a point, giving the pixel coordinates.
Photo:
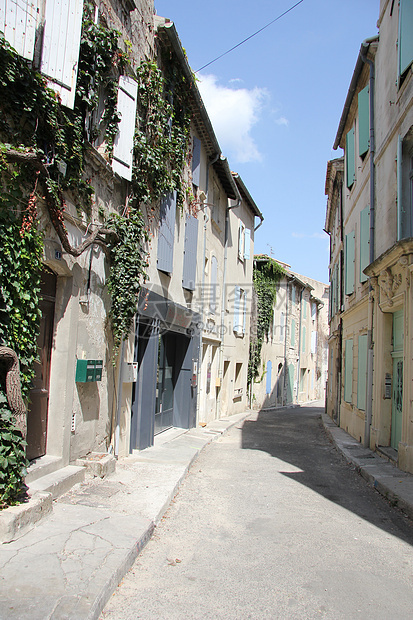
(395, 485)
(16, 521)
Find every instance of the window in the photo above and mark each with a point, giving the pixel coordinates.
(293, 294)
(362, 373)
(123, 146)
(216, 201)
(213, 305)
(304, 308)
(18, 24)
(166, 233)
(313, 311)
(349, 262)
(364, 121)
(281, 330)
(348, 371)
(247, 244)
(313, 342)
(364, 242)
(60, 49)
(405, 44)
(303, 337)
(350, 159)
(190, 252)
(240, 310)
(196, 161)
(405, 186)
(241, 240)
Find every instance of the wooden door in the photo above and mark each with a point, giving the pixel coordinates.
(39, 394)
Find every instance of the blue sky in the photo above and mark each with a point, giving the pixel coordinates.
(275, 104)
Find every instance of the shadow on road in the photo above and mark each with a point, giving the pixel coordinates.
(297, 437)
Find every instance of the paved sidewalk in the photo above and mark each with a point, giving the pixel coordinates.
(68, 566)
(394, 484)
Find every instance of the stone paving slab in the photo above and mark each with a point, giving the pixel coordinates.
(71, 562)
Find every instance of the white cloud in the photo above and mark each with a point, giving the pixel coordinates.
(282, 121)
(233, 113)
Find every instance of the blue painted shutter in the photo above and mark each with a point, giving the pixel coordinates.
(348, 371)
(190, 252)
(18, 24)
(123, 146)
(303, 336)
(247, 243)
(364, 120)
(166, 233)
(196, 161)
(350, 159)
(304, 308)
(400, 209)
(362, 373)
(405, 35)
(364, 242)
(60, 50)
(349, 259)
(268, 378)
(244, 312)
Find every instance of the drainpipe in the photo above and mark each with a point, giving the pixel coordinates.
(370, 342)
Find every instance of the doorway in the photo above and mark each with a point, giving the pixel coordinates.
(39, 394)
(164, 403)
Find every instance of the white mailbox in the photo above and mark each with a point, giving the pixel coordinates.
(130, 372)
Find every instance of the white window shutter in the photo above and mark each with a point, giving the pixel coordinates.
(244, 318)
(247, 243)
(18, 23)
(123, 147)
(61, 42)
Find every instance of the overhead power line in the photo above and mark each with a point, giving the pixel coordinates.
(250, 37)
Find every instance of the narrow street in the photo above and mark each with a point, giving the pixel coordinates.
(272, 522)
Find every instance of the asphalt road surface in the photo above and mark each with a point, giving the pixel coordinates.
(272, 522)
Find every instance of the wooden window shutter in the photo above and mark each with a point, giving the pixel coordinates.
(364, 120)
(304, 308)
(247, 244)
(362, 373)
(350, 159)
(60, 51)
(18, 24)
(123, 146)
(190, 253)
(349, 262)
(196, 161)
(364, 242)
(244, 313)
(166, 233)
(313, 342)
(237, 308)
(348, 371)
(405, 36)
(303, 336)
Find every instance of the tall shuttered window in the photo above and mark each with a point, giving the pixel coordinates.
(190, 252)
(362, 373)
(60, 48)
(364, 121)
(348, 371)
(350, 159)
(405, 36)
(303, 338)
(166, 233)
(123, 146)
(196, 161)
(364, 241)
(292, 338)
(349, 263)
(18, 24)
(404, 187)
